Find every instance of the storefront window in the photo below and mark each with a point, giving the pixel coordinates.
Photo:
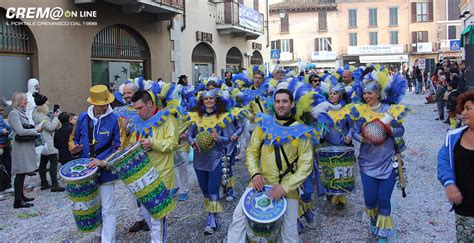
(118, 72)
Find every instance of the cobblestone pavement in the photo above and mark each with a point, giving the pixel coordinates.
(421, 216)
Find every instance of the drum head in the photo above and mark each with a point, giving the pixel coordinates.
(120, 154)
(76, 170)
(261, 208)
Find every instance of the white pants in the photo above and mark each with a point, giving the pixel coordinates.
(181, 173)
(289, 230)
(107, 201)
(157, 226)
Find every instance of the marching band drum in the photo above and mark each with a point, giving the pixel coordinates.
(336, 165)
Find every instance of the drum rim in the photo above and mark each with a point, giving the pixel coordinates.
(94, 171)
(342, 148)
(132, 148)
(267, 187)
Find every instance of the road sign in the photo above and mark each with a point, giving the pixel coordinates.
(454, 45)
(275, 54)
(421, 63)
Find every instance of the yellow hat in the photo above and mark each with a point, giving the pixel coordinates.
(100, 95)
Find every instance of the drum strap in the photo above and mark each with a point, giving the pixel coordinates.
(259, 105)
(90, 135)
(289, 166)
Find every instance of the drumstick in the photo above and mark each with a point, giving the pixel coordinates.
(400, 173)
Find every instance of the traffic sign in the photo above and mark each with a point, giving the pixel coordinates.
(421, 63)
(275, 54)
(454, 45)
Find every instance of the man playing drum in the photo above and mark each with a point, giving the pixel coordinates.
(159, 137)
(285, 169)
(97, 134)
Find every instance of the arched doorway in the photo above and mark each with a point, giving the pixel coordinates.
(256, 58)
(203, 62)
(233, 60)
(17, 52)
(118, 53)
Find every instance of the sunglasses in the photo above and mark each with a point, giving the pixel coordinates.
(315, 80)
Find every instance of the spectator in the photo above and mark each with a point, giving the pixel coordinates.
(5, 149)
(439, 95)
(61, 137)
(72, 118)
(49, 152)
(455, 169)
(183, 80)
(228, 78)
(462, 77)
(453, 94)
(23, 147)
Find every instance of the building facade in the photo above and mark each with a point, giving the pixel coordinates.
(97, 42)
(305, 32)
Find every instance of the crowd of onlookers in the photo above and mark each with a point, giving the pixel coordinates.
(35, 139)
(442, 87)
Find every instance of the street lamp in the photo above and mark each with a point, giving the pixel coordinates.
(282, 14)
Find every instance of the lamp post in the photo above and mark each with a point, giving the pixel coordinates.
(282, 14)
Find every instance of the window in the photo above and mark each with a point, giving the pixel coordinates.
(322, 23)
(419, 36)
(453, 10)
(422, 11)
(372, 17)
(393, 16)
(352, 39)
(285, 45)
(255, 5)
(452, 32)
(352, 18)
(323, 44)
(373, 38)
(393, 37)
(285, 24)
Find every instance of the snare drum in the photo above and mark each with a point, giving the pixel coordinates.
(83, 189)
(133, 167)
(336, 166)
(264, 215)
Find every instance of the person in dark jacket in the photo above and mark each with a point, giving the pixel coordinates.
(5, 149)
(451, 105)
(439, 95)
(61, 138)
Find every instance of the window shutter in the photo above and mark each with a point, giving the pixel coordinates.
(316, 44)
(329, 44)
(278, 44)
(430, 11)
(285, 24)
(274, 43)
(291, 45)
(255, 5)
(413, 12)
(425, 36)
(414, 38)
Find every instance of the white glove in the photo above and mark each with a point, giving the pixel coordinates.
(387, 119)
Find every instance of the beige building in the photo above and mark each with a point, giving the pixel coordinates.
(71, 45)
(305, 32)
(373, 32)
(222, 36)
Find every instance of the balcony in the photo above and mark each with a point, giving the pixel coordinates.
(164, 9)
(239, 20)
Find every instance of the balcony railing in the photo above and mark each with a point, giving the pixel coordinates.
(239, 18)
(159, 7)
(172, 3)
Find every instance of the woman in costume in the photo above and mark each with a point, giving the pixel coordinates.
(210, 119)
(377, 122)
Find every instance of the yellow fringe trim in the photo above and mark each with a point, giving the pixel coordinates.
(339, 199)
(231, 182)
(385, 222)
(371, 213)
(206, 202)
(214, 207)
(304, 207)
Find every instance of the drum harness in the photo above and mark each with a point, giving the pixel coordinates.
(92, 142)
(290, 168)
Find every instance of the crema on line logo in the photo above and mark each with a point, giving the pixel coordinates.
(55, 13)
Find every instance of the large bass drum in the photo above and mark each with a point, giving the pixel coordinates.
(133, 167)
(336, 166)
(264, 215)
(82, 189)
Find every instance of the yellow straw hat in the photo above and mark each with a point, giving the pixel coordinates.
(100, 95)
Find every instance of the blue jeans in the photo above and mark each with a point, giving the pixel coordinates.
(377, 192)
(417, 86)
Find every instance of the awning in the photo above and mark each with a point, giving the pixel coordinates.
(467, 36)
(383, 59)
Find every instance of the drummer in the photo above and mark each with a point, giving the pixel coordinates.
(97, 134)
(159, 140)
(266, 171)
